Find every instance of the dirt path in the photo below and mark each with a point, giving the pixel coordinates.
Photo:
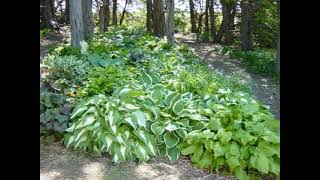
(57, 162)
(264, 89)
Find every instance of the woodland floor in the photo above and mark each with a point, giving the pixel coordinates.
(57, 162)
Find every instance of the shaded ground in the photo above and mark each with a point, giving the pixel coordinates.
(58, 162)
(264, 89)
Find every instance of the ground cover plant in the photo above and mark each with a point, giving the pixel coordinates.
(136, 97)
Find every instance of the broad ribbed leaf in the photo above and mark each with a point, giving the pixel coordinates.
(224, 136)
(218, 149)
(172, 126)
(169, 97)
(131, 107)
(78, 111)
(189, 150)
(233, 162)
(178, 106)
(260, 162)
(241, 174)
(206, 160)
(173, 153)
(157, 128)
(268, 149)
(140, 118)
(131, 121)
(170, 139)
(214, 124)
(181, 132)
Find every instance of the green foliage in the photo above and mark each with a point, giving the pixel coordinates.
(54, 112)
(142, 99)
(44, 32)
(180, 22)
(259, 60)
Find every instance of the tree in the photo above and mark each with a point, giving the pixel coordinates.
(114, 12)
(46, 13)
(76, 23)
(246, 36)
(170, 22)
(80, 21)
(67, 11)
(87, 19)
(124, 11)
(227, 7)
(149, 15)
(158, 18)
(212, 19)
(104, 16)
(206, 20)
(192, 17)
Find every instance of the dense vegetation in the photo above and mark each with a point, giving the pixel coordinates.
(133, 96)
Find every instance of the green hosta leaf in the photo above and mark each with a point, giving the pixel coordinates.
(206, 160)
(233, 162)
(246, 137)
(142, 152)
(155, 111)
(271, 137)
(235, 149)
(119, 139)
(241, 174)
(71, 140)
(71, 129)
(218, 149)
(260, 162)
(197, 154)
(143, 135)
(172, 126)
(198, 117)
(206, 134)
(157, 128)
(181, 132)
(214, 124)
(139, 117)
(250, 108)
(157, 95)
(131, 121)
(169, 97)
(131, 107)
(166, 115)
(146, 79)
(162, 149)
(208, 144)
(224, 136)
(173, 153)
(78, 111)
(274, 166)
(170, 139)
(119, 152)
(189, 150)
(108, 141)
(84, 130)
(152, 147)
(205, 111)
(268, 149)
(178, 106)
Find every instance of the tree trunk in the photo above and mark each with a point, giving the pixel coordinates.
(192, 17)
(46, 13)
(87, 19)
(278, 55)
(218, 37)
(76, 22)
(124, 10)
(206, 20)
(158, 18)
(199, 30)
(212, 19)
(226, 15)
(114, 12)
(170, 22)
(104, 16)
(52, 9)
(67, 11)
(233, 15)
(246, 36)
(149, 15)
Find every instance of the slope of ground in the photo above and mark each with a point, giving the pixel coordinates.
(58, 162)
(263, 88)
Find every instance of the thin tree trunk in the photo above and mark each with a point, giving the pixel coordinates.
(46, 12)
(206, 20)
(149, 15)
(87, 19)
(158, 18)
(278, 55)
(67, 11)
(170, 22)
(226, 14)
(104, 16)
(246, 25)
(124, 10)
(114, 12)
(76, 22)
(218, 37)
(192, 17)
(199, 30)
(212, 19)
(233, 15)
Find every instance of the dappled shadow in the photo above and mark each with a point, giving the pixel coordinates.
(264, 89)
(57, 162)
